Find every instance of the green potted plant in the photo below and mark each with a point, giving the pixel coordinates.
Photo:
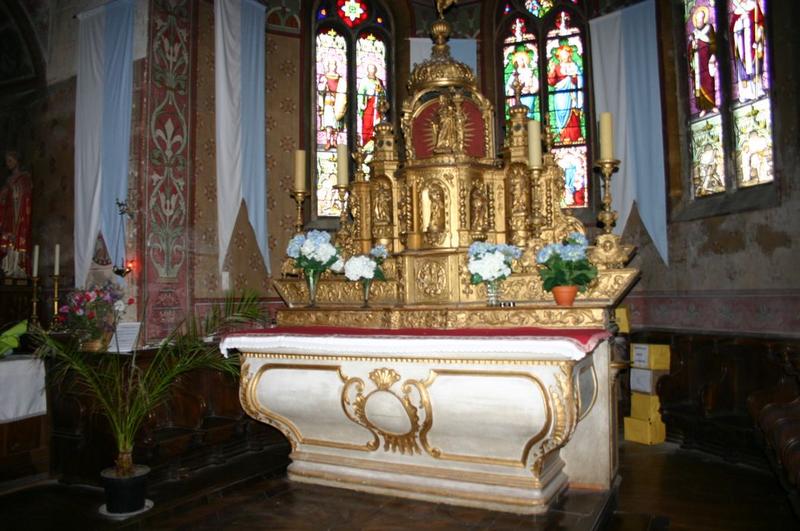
(126, 391)
(565, 268)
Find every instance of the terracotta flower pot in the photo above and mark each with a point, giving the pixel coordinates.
(565, 295)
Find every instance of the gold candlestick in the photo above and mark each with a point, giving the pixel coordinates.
(55, 295)
(609, 251)
(607, 216)
(299, 196)
(35, 301)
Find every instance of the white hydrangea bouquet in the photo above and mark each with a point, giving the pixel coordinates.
(490, 263)
(314, 253)
(366, 268)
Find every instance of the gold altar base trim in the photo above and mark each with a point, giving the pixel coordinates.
(485, 478)
(393, 318)
(392, 484)
(525, 289)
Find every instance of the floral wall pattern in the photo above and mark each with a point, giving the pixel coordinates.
(167, 166)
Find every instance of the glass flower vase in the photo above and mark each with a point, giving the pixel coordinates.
(493, 292)
(312, 282)
(366, 283)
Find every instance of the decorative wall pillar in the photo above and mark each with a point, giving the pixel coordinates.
(167, 166)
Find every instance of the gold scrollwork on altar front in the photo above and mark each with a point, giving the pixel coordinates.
(394, 417)
(565, 403)
(539, 436)
(248, 390)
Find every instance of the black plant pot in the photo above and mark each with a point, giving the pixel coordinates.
(125, 494)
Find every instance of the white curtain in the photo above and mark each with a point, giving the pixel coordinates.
(102, 130)
(239, 79)
(627, 84)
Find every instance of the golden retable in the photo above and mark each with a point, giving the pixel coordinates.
(447, 190)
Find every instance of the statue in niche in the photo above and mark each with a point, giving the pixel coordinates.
(437, 220)
(15, 219)
(478, 208)
(519, 197)
(382, 209)
(448, 127)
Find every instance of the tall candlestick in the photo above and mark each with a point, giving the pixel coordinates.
(57, 263)
(342, 177)
(534, 144)
(35, 268)
(300, 170)
(606, 137)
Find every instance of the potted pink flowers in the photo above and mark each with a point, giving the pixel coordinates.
(92, 314)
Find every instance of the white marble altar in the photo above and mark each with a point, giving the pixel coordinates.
(498, 419)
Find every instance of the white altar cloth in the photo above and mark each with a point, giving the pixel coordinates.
(22, 388)
(375, 344)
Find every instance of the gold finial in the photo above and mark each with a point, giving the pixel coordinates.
(358, 157)
(442, 5)
(383, 106)
(517, 88)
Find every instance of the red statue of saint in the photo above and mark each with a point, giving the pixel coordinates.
(15, 219)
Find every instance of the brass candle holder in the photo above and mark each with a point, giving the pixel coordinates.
(35, 301)
(299, 196)
(609, 252)
(607, 216)
(55, 295)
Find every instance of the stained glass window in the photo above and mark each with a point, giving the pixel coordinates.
(351, 73)
(331, 105)
(521, 63)
(708, 166)
(546, 54)
(539, 8)
(352, 12)
(565, 83)
(371, 75)
(739, 92)
(752, 124)
(752, 129)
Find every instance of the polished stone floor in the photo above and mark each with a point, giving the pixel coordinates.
(662, 488)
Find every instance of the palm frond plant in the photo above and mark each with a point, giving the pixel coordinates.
(126, 390)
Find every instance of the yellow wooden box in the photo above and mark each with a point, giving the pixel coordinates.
(622, 316)
(654, 357)
(645, 431)
(645, 407)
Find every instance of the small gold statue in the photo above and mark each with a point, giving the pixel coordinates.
(442, 5)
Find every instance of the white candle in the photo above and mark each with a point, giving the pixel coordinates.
(300, 171)
(342, 177)
(606, 137)
(57, 263)
(534, 144)
(35, 267)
